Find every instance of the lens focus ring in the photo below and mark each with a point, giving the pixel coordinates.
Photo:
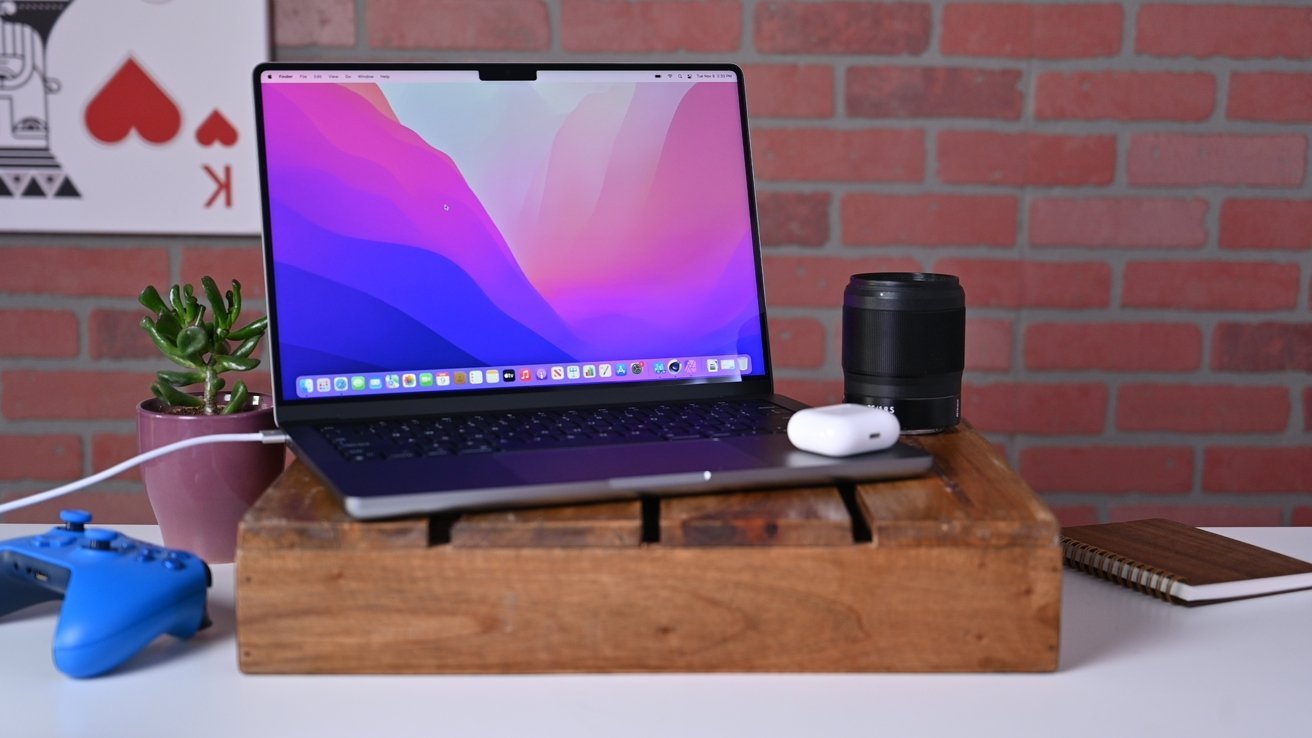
(904, 346)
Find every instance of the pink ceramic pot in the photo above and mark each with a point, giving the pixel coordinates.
(199, 494)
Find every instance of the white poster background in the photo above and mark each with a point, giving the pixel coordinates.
(201, 53)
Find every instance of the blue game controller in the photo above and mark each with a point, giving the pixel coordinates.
(119, 593)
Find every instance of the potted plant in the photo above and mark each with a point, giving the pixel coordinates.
(199, 494)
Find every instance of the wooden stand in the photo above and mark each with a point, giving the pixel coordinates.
(959, 570)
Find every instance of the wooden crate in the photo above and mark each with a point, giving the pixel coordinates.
(959, 570)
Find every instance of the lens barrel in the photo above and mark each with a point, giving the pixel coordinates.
(904, 346)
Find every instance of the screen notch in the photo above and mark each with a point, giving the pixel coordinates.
(508, 73)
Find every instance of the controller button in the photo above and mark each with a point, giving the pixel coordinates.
(146, 556)
(174, 565)
(100, 539)
(53, 541)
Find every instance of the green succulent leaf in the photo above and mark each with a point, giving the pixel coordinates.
(168, 326)
(222, 319)
(195, 310)
(152, 330)
(172, 396)
(254, 328)
(235, 363)
(166, 347)
(177, 358)
(234, 300)
(247, 347)
(175, 299)
(150, 299)
(180, 379)
(240, 398)
(192, 340)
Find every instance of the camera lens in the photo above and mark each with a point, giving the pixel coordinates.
(904, 346)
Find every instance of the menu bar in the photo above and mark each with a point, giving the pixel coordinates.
(343, 76)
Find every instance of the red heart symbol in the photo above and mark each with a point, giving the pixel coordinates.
(216, 128)
(131, 99)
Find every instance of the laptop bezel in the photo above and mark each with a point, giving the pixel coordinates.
(297, 410)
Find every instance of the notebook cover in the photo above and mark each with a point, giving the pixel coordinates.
(1193, 556)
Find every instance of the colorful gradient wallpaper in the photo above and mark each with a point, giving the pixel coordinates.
(459, 224)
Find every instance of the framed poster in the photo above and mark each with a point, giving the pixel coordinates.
(129, 116)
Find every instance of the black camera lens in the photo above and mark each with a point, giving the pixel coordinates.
(904, 346)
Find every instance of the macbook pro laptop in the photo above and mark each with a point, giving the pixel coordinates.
(507, 285)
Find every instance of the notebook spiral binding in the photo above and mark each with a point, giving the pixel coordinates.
(1118, 569)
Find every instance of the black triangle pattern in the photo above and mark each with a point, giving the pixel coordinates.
(67, 189)
(45, 184)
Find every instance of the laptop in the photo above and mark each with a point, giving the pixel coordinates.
(496, 285)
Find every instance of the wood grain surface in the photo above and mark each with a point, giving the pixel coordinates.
(958, 570)
(813, 516)
(604, 524)
(299, 512)
(822, 609)
(972, 497)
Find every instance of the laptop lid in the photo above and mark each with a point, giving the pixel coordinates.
(462, 237)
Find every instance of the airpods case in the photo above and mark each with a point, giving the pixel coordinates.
(843, 430)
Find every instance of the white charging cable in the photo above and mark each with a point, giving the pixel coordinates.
(266, 437)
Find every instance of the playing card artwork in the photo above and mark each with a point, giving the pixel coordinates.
(129, 115)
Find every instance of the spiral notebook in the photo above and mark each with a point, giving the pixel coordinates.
(1179, 563)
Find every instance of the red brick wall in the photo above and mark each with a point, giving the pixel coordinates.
(1122, 187)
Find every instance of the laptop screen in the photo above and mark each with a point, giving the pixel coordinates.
(430, 231)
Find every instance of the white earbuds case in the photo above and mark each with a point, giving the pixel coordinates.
(843, 430)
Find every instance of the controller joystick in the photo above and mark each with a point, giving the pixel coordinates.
(119, 593)
(100, 540)
(75, 521)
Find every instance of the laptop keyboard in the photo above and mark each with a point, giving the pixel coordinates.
(544, 429)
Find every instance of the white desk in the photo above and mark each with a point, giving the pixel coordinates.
(1130, 666)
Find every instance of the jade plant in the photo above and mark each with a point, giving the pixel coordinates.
(204, 346)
